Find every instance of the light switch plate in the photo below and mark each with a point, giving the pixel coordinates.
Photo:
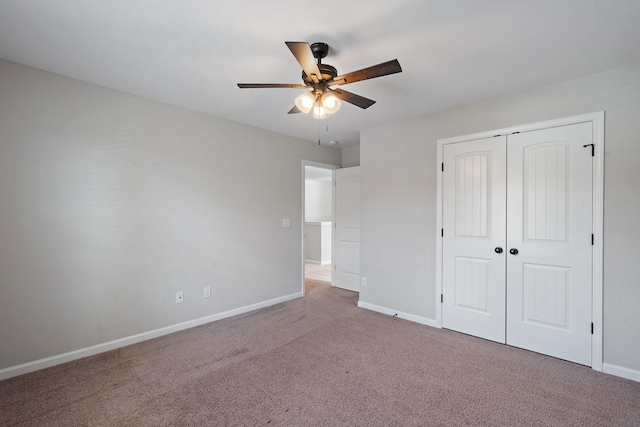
(285, 223)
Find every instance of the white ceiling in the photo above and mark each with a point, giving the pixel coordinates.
(191, 53)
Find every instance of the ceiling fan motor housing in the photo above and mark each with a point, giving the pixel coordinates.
(326, 71)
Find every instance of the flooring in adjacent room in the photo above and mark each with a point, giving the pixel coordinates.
(316, 277)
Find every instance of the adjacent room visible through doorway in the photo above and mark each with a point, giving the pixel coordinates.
(318, 219)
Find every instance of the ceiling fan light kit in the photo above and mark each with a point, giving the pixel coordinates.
(323, 100)
(321, 104)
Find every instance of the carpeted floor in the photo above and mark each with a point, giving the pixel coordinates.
(311, 285)
(318, 361)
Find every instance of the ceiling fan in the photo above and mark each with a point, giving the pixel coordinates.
(323, 99)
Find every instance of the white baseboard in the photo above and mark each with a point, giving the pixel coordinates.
(620, 371)
(325, 262)
(399, 314)
(25, 368)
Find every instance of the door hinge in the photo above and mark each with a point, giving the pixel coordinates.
(591, 328)
(335, 266)
(441, 298)
(442, 232)
(592, 239)
(593, 149)
(442, 167)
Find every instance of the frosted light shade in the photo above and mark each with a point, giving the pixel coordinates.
(330, 103)
(305, 101)
(319, 111)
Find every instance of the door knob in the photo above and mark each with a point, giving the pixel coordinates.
(513, 251)
(498, 250)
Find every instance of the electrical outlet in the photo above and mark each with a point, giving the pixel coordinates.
(363, 281)
(285, 223)
(207, 292)
(179, 297)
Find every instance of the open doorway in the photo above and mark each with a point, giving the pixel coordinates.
(317, 226)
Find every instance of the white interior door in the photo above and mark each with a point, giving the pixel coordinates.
(473, 227)
(346, 254)
(549, 283)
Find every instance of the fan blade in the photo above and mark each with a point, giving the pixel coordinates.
(384, 69)
(294, 110)
(303, 54)
(269, 85)
(352, 98)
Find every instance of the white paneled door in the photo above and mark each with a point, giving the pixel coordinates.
(473, 226)
(346, 254)
(517, 242)
(549, 226)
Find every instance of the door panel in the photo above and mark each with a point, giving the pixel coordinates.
(474, 225)
(546, 295)
(545, 191)
(471, 284)
(549, 283)
(347, 229)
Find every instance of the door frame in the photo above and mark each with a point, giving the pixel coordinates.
(322, 166)
(597, 121)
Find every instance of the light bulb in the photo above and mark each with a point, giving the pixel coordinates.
(329, 100)
(319, 111)
(330, 103)
(305, 101)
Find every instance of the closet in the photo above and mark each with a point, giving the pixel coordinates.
(517, 239)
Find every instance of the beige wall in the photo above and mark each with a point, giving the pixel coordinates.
(350, 157)
(398, 200)
(110, 203)
(317, 200)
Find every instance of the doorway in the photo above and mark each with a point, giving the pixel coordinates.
(317, 212)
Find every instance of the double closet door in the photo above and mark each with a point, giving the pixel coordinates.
(517, 240)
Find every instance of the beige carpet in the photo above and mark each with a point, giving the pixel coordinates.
(318, 361)
(311, 285)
